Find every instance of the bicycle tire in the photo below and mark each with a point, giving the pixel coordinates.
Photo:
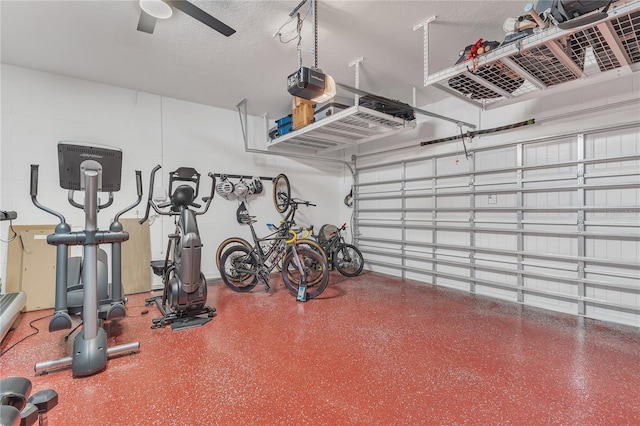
(239, 256)
(348, 260)
(311, 260)
(313, 246)
(226, 244)
(281, 193)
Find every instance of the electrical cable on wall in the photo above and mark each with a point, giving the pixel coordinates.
(299, 19)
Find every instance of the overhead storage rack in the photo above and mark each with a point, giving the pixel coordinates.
(549, 59)
(352, 126)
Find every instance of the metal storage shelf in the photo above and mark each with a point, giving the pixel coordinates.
(550, 59)
(353, 126)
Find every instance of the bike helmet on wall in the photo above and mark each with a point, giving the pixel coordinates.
(241, 189)
(256, 187)
(224, 187)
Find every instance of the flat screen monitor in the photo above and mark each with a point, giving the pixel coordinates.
(71, 155)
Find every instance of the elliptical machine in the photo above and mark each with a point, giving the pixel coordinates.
(91, 169)
(185, 289)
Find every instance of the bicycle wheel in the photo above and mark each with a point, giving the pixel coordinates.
(348, 260)
(313, 246)
(226, 244)
(313, 265)
(239, 268)
(281, 193)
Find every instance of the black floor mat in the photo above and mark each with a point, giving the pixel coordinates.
(184, 323)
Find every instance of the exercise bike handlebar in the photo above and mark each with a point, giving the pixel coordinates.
(210, 197)
(158, 207)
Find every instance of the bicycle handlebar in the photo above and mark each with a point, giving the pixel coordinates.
(294, 237)
(298, 202)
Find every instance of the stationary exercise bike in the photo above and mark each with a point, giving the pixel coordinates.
(182, 303)
(91, 169)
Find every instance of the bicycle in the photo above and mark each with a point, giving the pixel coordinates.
(281, 192)
(346, 258)
(304, 271)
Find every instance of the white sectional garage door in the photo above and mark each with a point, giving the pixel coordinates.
(551, 223)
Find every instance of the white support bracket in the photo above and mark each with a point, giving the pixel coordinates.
(425, 27)
(356, 64)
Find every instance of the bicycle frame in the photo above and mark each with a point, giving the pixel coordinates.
(267, 260)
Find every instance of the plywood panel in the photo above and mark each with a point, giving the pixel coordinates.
(14, 255)
(136, 257)
(31, 266)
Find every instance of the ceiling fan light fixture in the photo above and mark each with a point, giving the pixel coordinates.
(156, 8)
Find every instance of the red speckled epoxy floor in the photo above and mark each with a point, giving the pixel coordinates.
(372, 350)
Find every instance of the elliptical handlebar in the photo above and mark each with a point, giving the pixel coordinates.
(34, 194)
(139, 190)
(158, 207)
(77, 205)
(150, 202)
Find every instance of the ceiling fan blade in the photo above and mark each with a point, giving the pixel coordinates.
(202, 16)
(146, 23)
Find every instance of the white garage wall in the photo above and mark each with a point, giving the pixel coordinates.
(39, 109)
(568, 240)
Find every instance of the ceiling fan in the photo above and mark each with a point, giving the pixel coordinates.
(152, 10)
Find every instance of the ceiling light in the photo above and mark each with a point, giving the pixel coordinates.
(156, 8)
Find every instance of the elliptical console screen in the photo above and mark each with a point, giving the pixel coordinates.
(71, 156)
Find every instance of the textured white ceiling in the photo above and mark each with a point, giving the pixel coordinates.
(184, 59)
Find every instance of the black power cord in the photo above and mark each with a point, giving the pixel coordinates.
(37, 330)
